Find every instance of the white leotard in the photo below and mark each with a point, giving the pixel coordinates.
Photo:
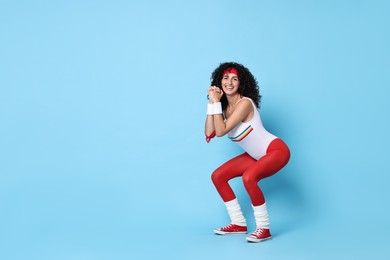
(251, 135)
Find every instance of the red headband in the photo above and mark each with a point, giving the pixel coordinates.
(230, 70)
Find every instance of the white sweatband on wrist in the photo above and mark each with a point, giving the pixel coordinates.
(210, 109)
(217, 108)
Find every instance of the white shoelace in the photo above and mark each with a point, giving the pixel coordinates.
(258, 232)
(228, 226)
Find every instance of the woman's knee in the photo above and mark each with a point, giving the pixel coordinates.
(216, 176)
(249, 179)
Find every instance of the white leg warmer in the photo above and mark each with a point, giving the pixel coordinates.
(235, 213)
(261, 216)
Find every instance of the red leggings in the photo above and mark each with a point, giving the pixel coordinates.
(252, 171)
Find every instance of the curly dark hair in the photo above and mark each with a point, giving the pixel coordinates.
(248, 83)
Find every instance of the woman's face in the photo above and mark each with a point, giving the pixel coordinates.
(230, 83)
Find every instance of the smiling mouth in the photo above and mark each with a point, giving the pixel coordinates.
(229, 87)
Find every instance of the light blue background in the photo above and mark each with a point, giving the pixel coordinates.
(102, 108)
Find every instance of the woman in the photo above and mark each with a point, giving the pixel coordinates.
(233, 110)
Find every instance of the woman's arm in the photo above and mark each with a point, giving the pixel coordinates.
(209, 126)
(243, 109)
(209, 129)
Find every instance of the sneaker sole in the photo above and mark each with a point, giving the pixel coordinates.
(257, 240)
(220, 232)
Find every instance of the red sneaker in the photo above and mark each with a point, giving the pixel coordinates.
(259, 235)
(231, 229)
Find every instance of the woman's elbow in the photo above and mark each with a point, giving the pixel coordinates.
(208, 133)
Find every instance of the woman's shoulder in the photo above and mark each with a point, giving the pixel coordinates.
(244, 104)
(245, 100)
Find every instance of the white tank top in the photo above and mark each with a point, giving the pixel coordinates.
(252, 136)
